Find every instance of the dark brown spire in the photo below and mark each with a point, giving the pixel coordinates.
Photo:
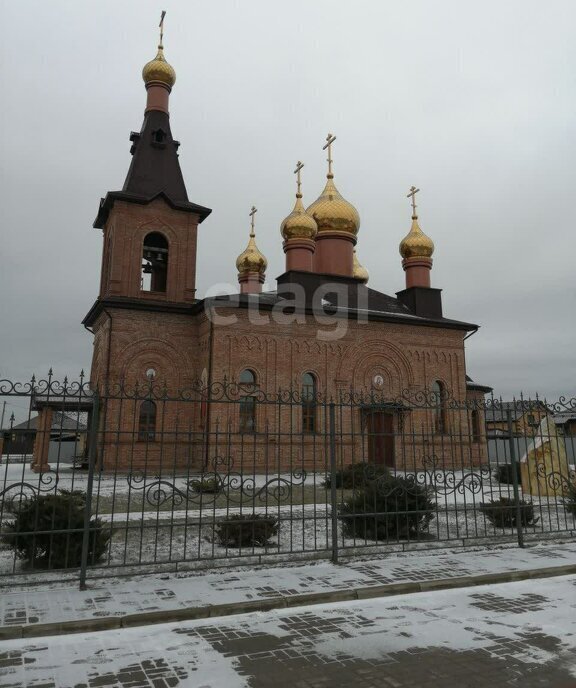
(155, 169)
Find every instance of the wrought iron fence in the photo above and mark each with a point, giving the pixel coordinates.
(127, 479)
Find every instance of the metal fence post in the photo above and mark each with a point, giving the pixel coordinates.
(333, 493)
(514, 464)
(92, 456)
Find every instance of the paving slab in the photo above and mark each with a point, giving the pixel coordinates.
(516, 634)
(46, 609)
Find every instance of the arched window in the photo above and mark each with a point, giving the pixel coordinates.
(147, 421)
(475, 422)
(309, 406)
(247, 378)
(248, 401)
(155, 262)
(439, 402)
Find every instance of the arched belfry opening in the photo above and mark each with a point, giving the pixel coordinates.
(154, 262)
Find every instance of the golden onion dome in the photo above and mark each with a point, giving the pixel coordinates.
(251, 260)
(332, 212)
(159, 69)
(299, 224)
(416, 244)
(359, 271)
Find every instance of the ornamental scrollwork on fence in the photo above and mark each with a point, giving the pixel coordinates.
(16, 496)
(449, 481)
(203, 490)
(555, 481)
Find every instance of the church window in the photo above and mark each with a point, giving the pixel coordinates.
(155, 262)
(248, 401)
(439, 409)
(475, 421)
(309, 406)
(147, 421)
(159, 136)
(247, 378)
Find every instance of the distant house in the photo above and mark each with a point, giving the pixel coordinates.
(526, 416)
(67, 437)
(566, 421)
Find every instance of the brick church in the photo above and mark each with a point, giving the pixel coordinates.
(322, 332)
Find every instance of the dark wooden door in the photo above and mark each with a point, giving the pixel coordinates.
(380, 437)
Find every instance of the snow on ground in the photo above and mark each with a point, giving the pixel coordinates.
(526, 630)
(47, 601)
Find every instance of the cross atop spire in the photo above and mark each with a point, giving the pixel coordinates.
(161, 25)
(329, 141)
(412, 195)
(252, 212)
(299, 166)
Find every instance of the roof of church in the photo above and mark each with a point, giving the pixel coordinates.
(379, 306)
(154, 171)
(470, 384)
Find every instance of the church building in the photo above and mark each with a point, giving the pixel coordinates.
(323, 332)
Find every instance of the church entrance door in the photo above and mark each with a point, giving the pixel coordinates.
(379, 429)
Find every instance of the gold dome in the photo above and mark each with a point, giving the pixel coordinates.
(251, 260)
(298, 225)
(159, 70)
(334, 213)
(359, 271)
(416, 244)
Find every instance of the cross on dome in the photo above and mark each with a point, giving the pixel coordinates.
(252, 212)
(299, 166)
(412, 195)
(329, 141)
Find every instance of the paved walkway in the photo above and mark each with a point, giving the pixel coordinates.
(517, 634)
(111, 603)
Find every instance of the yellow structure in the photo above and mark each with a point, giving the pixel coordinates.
(544, 468)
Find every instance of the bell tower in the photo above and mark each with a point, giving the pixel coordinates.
(148, 274)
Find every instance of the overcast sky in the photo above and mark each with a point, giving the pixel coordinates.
(473, 102)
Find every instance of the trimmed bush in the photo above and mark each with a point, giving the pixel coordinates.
(356, 475)
(31, 533)
(207, 485)
(247, 530)
(389, 508)
(502, 512)
(505, 474)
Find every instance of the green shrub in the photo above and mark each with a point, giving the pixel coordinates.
(31, 533)
(207, 485)
(569, 500)
(356, 475)
(502, 512)
(390, 508)
(246, 530)
(505, 474)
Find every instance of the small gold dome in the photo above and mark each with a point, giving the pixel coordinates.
(298, 225)
(251, 260)
(334, 213)
(159, 70)
(416, 244)
(359, 271)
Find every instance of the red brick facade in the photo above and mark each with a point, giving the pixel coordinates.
(165, 335)
(183, 348)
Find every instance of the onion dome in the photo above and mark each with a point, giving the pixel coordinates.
(251, 260)
(359, 271)
(416, 244)
(332, 212)
(159, 69)
(299, 224)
